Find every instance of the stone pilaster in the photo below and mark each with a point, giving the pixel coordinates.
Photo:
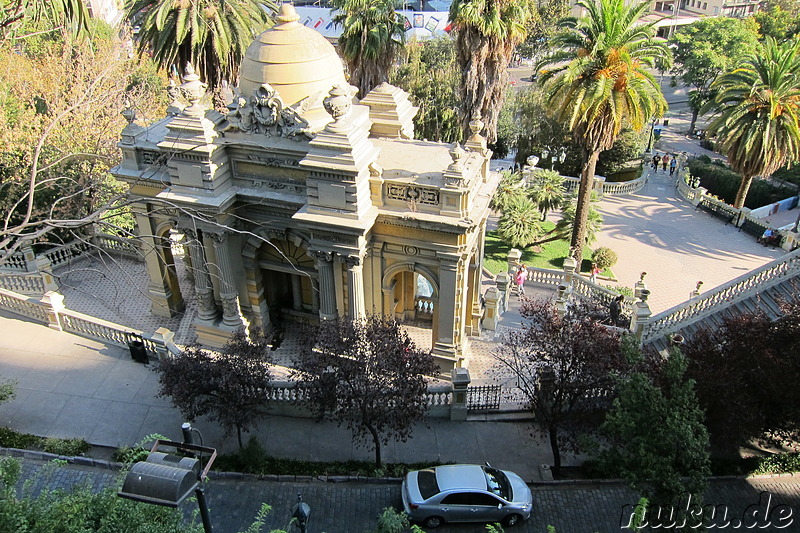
(445, 343)
(355, 286)
(327, 296)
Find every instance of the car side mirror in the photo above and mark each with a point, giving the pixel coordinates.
(499, 506)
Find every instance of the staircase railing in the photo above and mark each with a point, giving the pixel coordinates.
(725, 295)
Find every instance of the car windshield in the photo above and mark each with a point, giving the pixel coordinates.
(497, 483)
(426, 481)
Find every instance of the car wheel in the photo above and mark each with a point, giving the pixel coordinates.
(512, 520)
(432, 522)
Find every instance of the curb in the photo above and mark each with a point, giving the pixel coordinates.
(111, 465)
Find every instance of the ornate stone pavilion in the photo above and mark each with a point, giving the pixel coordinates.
(304, 203)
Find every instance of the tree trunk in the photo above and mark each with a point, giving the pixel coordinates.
(377, 443)
(552, 431)
(239, 436)
(578, 240)
(741, 194)
(695, 112)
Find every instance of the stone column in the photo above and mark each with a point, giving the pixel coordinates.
(327, 296)
(445, 343)
(513, 259)
(206, 307)
(492, 311)
(355, 286)
(231, 314)
(297, 293)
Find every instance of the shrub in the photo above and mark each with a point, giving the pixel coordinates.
(780, 463)
(604, 257)
(137, 452)
(13, 439)
(723, 182)
(68, 447)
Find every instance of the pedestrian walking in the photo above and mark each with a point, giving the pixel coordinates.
(656, 161)
(615, 308)
(595, 272)
(519, 279)
(665, 161)
(673, 164)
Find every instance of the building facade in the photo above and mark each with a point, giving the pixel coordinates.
(304, 203)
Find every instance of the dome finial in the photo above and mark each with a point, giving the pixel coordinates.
(287, 14)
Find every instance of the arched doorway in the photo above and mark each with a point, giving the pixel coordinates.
(289, 279)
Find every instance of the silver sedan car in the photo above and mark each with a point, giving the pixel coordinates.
(465, 493)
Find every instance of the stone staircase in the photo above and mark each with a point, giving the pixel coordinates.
(762, 289)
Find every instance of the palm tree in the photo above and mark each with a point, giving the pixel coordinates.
(520, 224)
(508, 191)
(547, 191)
(486, 33)
(758, 107)
(372, 36)
(71, 14)
(211, 35)
(597, 81)
(594, 221)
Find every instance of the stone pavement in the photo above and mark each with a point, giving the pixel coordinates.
(68, 386)
(658, 232)
(351, 507)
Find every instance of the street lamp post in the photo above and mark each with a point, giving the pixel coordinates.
(165, 479)
(301, 513)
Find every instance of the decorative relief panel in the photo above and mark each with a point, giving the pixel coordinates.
(412, 193)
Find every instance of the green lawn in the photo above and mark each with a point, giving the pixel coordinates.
(551, 255)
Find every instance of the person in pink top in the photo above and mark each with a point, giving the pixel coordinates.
(519, 279)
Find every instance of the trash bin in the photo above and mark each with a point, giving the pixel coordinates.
(666, 122)
(138, 353)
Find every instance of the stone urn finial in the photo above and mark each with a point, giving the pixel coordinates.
(476, 125)
(641, 276)
(457, 153)
(129, 113)
(644, 295)
(338, 102)
(193, 89)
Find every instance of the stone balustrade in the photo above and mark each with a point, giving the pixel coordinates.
(49, 310)
(694, 310)
(14, 263)
(30, 283)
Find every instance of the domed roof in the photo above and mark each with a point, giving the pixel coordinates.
(295, 60)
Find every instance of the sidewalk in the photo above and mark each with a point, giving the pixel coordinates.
(69, 386)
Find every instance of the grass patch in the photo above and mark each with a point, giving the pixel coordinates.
(252, 459)
(550, 255)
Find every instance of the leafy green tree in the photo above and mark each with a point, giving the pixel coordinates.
(429, 74)
(757, 110)
(520, 225)
(211, 35)
(628, 147)
(547, 190)
(705, 49)
(655, 433)
(564, 367)
(368, 375)
(232, 388)
(372, 37)
(597, 81)
(542, 26)
(486, 34)
(61, 99)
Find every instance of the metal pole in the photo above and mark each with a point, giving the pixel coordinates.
(201, 501)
